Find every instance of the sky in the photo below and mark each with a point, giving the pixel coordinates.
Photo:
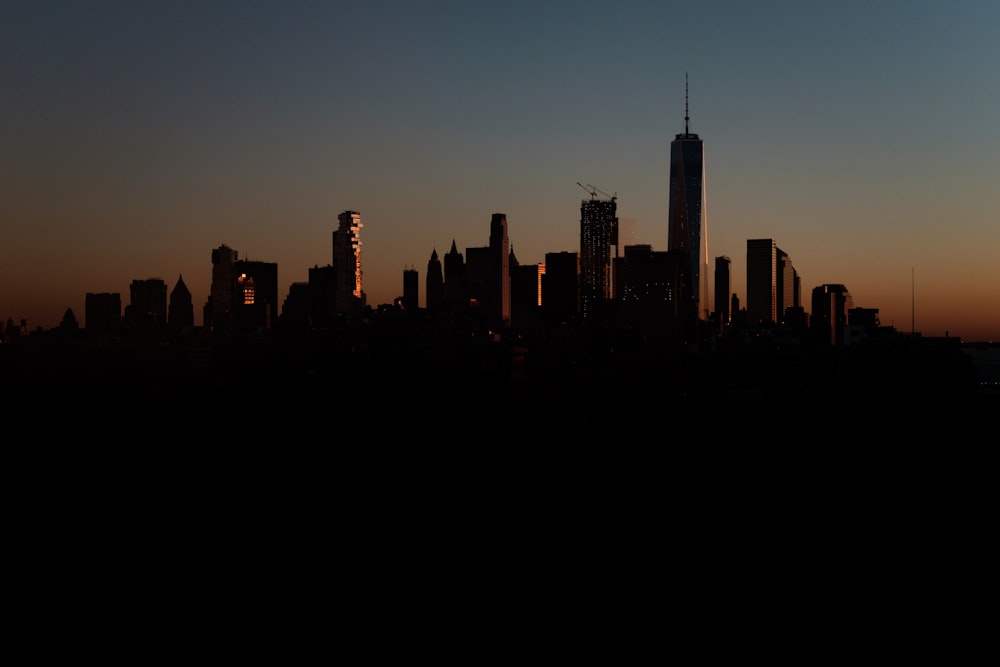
(137, 136)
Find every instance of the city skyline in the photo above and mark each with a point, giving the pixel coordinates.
(138, 138)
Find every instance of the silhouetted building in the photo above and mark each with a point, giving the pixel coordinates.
(255, 289)
(218, 309)
(322, 296)
(456, 282)
(411, 290)
(688, 224)
(497, 301)
(180, 316)
(830, 305)
(296, 311)
(560, 288)
(598, 235)
(762, 276)
(723, 285)
(784, 286)
(147, 309)
(647, 290)
(103, 314)
(350, 296)
(434, 288)
(525, 294)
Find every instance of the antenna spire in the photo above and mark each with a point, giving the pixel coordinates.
(686, 118)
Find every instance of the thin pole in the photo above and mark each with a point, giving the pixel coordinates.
(913, 320)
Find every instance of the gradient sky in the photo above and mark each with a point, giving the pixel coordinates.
(136, 136)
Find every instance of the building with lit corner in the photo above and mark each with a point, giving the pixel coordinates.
(598, 235)
(762, 276)
(687, 222)
(350, 295)
(255, 295)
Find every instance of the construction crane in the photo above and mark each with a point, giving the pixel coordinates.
(594, 191)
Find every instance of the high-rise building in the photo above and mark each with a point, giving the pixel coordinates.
(687, 224)
(498, 281)
(434, 290)
(255, 294)
(723, 284)
(180, 315)
(561, 288)
(598, 234)
(411, 290)
(350, 296)
(831, 304)
(455, 279)
(147, 309)
(762, 272)
(784, 297)
(218, 309)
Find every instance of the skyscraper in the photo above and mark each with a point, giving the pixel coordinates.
(218, 308)
(762, 276)
(349, 296)
(687, 224)
(498, 280)
(434, 291)
(598, 233)
(723, 266)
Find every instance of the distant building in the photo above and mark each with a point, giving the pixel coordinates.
(255, 290)
(762, 272)
(723, 285)
(411, 290)
(434, 288)
(180, 316)
(350, 295)
(217, 313)
(561, 289)
(831, 304)
(598, 235)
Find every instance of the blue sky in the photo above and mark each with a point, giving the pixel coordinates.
(138, 136)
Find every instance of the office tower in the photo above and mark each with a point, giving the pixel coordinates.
(831, 304)
(411, 291)
(646, 283)
(218, 308)
(296, 308)
(688, 224)
(180, 316)
(322, 296)
(598, 234)
(762, 271)
(455, 279)
(147, 309)
(560, 288)
(784, 297)
(498, 279)
(434, 290)
(723, 285)
(255, 289)
(102, 317)
(350, 296)
(525, 294)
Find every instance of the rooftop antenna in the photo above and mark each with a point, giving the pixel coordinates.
(686, 118)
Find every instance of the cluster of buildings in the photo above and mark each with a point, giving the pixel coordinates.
(602, 285)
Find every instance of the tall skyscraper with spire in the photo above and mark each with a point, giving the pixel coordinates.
(687, 225)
